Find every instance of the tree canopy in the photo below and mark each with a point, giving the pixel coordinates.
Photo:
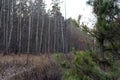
(107, 28)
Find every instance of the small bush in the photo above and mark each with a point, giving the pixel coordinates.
(84, 67)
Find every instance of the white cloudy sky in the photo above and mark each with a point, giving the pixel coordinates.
(76, 7)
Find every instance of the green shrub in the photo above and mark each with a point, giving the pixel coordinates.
(88, 66)
(84, 67)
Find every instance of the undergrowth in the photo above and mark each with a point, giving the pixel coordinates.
(89, 66)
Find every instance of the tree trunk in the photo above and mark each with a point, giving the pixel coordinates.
(101, 45)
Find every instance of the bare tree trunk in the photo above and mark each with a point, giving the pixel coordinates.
(41, 35)
(37, 31)
(7, 24)
(66, 39)
(4, 18)
(20, 33)
(17, 34)
(1, 13)
(29, 34)
(54, 34)
(49, 27)
(11, 25)
(63, 42)
(57, 26)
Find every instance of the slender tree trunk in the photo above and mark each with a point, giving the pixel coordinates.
(66, 37)
(11, 25)
(17, 34)
(29, 34)
(57, 34)
(30, 26)
(7, 24)
(41, 35)
(49, 27)
(54, 34)
(4, 18)
(37, 31)
(1, 13)
(20, 30)
(101, 44)
(63, 42)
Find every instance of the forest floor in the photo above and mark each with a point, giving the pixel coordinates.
(29, 67)
(32, 67)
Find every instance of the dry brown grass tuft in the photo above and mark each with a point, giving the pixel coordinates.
(32, 67)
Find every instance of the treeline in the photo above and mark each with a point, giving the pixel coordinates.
(26, 26)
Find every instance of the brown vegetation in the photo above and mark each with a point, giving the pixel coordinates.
(29, 67)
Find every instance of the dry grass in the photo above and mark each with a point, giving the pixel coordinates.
(32, 67)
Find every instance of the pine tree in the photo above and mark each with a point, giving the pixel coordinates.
(106, 30)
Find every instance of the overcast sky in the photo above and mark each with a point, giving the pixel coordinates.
(75, 8)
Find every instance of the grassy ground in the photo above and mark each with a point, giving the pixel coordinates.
(47, 66)
(29, 67)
